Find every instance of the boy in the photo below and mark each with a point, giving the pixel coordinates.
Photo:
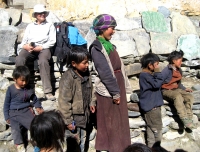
(76, 98)
(151, 99)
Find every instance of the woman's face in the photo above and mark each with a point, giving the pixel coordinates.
(177, 62)
(107, 34)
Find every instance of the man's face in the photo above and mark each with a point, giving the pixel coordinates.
(41, 17)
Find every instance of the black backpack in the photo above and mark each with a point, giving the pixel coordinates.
(62, 45)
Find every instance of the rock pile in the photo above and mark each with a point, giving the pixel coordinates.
(161, 32)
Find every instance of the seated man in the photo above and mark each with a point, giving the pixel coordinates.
(38, 38)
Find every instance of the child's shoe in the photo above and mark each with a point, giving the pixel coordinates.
(20, 148)
(188, 123)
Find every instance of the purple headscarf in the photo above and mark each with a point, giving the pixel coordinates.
(103, 21)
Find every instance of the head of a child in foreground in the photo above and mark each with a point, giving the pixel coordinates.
(137, 147)
(21, 76)
(104, 26)
(47, 131)
(79, 59)
(150, 61)
(175, 58)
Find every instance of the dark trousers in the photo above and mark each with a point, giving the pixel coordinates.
(43, 62)
(18, 119)
(153, 119)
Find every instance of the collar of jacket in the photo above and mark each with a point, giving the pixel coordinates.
(74, 75)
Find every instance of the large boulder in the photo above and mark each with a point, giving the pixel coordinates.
(15, 15)
(190, 45)
(127, 24)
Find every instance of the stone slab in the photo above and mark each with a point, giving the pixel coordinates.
(15, 15)
(4, 17)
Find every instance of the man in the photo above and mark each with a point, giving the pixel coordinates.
(38, 38)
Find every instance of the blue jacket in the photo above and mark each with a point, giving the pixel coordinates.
(167, 73)
(150, 90)
(19, 99)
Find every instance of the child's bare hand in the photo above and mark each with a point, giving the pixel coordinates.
(39, 110)
(117, 101)
(8, 121)
(71, 127)
(188, 90)
(92, 109)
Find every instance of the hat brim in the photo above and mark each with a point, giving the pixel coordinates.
(33, 14)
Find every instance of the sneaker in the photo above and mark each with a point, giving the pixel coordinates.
(187, 123)
(20, 148)
(49, 96)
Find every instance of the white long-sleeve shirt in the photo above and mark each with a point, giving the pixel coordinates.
(43, 34)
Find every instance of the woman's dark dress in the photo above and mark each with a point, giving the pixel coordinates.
(113, 132)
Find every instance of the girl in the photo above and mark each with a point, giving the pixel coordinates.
(17, 107)
(76, 98)
(175, 91)
(113, 132)
(47, 132)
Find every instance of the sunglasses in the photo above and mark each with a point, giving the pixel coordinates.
(41, 13)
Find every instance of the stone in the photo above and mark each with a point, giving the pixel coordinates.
(133, 69)
(92, 134)
(134, 97)
(195, 119)
(2, 125)
(154, 22)
(166, 121)
(90, 37)
(4, 83)
(52, 18)
(136, 123)
(164, 11)
(133, 107)
(15, 16)
(127, 24)
(190, 45)
(32, 3)
(196, 87)
(133, 114)
(171, 135)
(7, 73)
(182, 25)
(191, 63)
(83, 26)
(168, 41)
(176, 126)
(163, 111)
(8, 34)
(134, 133)
(165, 129)
(5, 135)
(196, 95)
(185, 69)
(4, 18)
(6, 66)
(196, 107)
(169, 113)
(4, 150)
(138, 139)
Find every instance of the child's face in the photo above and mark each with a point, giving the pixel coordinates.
(107, 34)
(20, 82)
(153, 66)
(83, 66)
(177, 62)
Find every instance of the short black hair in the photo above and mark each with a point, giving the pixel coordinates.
(77, 54)
(47, 130)
(149, 58)
(137, 147)
(21, 71)
(174, 56)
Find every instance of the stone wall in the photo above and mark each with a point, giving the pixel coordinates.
(141, 28)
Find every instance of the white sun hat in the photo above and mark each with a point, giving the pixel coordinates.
(39, 8)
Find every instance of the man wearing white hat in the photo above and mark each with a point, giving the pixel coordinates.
(38, 38)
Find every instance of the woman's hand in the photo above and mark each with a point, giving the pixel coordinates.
(92, 109)
(117, 101)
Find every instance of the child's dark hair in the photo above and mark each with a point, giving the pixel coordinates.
(21, 71)
(137, 147)
(174, 56)
(149, 58)
(47, 130)
(78, 54)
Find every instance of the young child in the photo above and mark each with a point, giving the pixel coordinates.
(48, 131)
(175, 91)
(76, 98)
(113, 132)
(17, 106)
(151, 99)
(137, 147)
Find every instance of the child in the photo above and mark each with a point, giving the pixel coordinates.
(151, 99)
(47, 131)
(76, 98)
(113, 132)
(17, 107)
(137, 147)
(174, 90)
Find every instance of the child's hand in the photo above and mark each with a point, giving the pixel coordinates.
(8, 121)
(117, 101)
(39, 110)
(71, 127)
(188, 90)
(92, 109)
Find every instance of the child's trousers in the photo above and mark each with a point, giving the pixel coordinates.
(19, 118)
(182, 101)
(153, 119)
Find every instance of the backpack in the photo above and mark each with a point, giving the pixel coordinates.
(67, 36)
